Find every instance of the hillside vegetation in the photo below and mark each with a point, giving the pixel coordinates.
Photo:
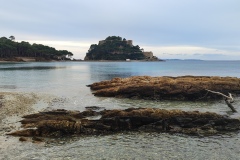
(114, 48)
(10, 49)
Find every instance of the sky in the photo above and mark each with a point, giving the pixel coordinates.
(171, 29)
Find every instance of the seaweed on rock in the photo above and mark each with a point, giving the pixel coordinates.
(63, 123)
(166, 88)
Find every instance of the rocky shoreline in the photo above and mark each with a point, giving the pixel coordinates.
(100, 121)
(167, 88)
(26, 59)
(58, 123)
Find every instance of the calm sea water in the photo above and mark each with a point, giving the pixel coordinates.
(68, 80)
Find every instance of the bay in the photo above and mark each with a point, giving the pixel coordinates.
(66, 83)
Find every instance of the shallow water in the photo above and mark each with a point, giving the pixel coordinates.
(64, 83)
(128, 146)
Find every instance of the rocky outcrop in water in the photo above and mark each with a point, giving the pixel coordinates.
(64, 123)
(166, 88)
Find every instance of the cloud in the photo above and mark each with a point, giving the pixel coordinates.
(204, 24)
(192, 52)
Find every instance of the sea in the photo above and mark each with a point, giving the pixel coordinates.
(67, 82)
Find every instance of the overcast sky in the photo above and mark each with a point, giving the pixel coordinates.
(201, 29)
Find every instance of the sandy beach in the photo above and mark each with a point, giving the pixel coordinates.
(13, 105)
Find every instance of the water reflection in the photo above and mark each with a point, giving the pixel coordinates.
(131, 145)
(106, 71)
(31, 68)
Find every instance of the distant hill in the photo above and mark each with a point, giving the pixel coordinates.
(15, 51)
(183, 60)
(117, 48)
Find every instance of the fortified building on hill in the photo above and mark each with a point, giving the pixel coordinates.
(129, 42)
(116, 48)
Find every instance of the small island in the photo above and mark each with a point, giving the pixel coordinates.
(10, 50)
(117, 49)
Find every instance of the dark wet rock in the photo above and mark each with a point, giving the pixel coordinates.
(37, 139)
(95, 108)
(59, 123)
(166, 88)
(22, 139)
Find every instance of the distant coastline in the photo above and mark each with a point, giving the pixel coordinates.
(37, 59)
(28, 59)
(127, 60)
(183, 60)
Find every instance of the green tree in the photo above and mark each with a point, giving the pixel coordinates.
(12, 38)
(9, 48)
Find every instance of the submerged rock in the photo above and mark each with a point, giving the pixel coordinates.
(63, 123)
(166, 88)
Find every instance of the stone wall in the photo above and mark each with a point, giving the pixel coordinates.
(101, 42)
(148, 55)
(129, 42)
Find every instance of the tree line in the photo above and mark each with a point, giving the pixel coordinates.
(9, 49)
